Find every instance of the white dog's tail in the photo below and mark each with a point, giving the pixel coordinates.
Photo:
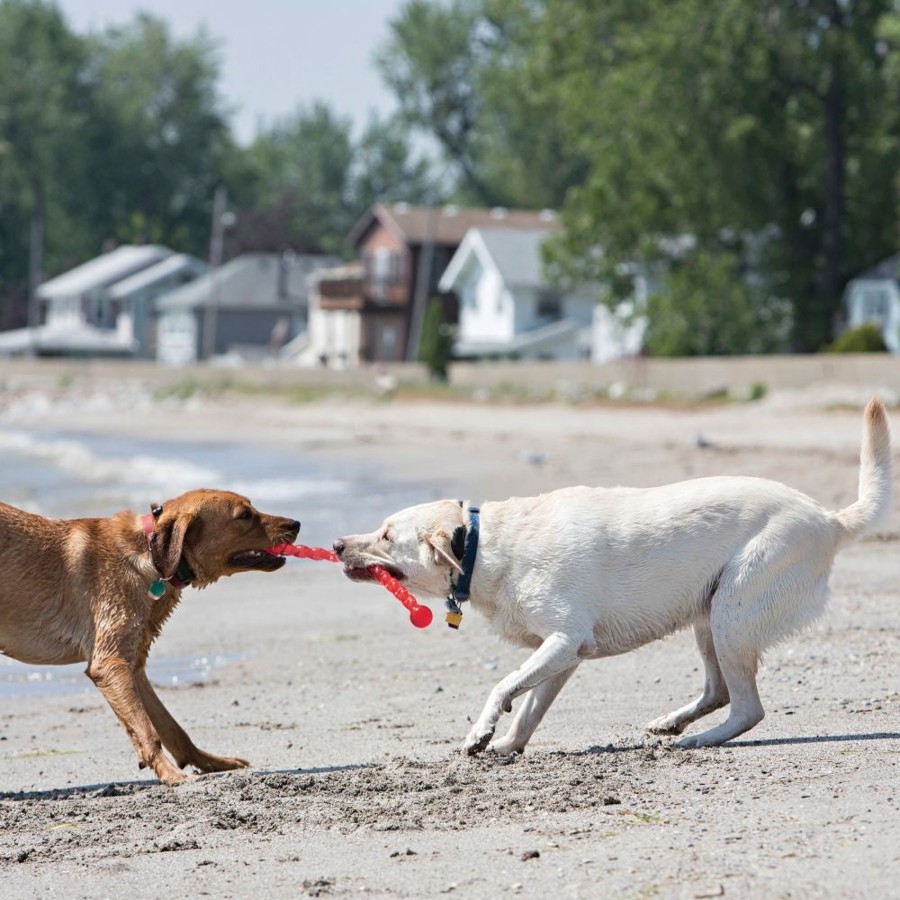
(875, 482)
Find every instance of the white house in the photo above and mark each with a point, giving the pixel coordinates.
(80, 316)
(874, 296)
(333, 336)
(506, 307)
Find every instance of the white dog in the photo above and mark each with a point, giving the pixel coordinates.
(583, 573)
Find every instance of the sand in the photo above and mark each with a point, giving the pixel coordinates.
(352, 719)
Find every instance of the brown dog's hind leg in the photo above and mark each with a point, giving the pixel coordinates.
(175, 738)
(116, 681)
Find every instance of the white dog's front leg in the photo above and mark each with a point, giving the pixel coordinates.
(557, 654)
(531, 710)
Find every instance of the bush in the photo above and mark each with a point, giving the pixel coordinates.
(862, 339)
(436, 345)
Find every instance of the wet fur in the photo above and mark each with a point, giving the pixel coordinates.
(75, 590)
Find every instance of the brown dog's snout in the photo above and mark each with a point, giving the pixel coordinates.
(339, 546)
(295, 527)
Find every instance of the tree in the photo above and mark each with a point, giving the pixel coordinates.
(763, 130)
(161, 134)
(705, 307)
(302, 165)
(305, 182)
(44, 108)
(385, 171)
(463, 74)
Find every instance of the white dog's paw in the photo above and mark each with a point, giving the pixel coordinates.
(692, 742)
(479, 737)
(506, 747)
(663, 725)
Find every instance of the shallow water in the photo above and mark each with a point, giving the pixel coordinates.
(69, 474)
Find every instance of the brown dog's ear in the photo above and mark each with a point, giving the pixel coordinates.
(440, 543)
(167, 543)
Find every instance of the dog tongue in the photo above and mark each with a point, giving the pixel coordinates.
(420, 616)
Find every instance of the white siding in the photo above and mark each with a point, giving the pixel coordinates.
(486, 308)
(876, 301)
(177, 338)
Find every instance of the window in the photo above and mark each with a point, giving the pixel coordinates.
(384, 268)
(873, 305)
(549, 306)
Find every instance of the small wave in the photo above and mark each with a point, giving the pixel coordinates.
(77, 458)
(262, 490)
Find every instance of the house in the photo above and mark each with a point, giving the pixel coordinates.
(508, 309)
(874, 296)
(402, 252)
(79, 315)
(333, 336)
(134, 298)
(251, 306)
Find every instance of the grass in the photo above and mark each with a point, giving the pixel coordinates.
(507, 392)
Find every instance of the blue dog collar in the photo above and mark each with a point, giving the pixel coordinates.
(459, 592)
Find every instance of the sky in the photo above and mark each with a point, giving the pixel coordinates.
(275, 54)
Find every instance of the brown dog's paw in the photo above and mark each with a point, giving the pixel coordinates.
(209, 762)
(172, 777)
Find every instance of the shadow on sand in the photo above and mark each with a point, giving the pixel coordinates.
(130, 788)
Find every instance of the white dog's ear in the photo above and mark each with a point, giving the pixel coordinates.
(440, 544)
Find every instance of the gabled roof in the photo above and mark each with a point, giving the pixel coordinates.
(178, 262)
(514, 253)
(103, 271)
(252, 280)
(888, 268)
(446, 225)
(538, 340)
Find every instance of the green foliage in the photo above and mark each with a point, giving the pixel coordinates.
(436, 345)
(160, 135)
(767, 132)
(704, 307)
(306, 181)
(44, 109)
(757, 391)
(466, 74)
(866, 338)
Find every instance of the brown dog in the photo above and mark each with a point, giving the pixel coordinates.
(99, 591)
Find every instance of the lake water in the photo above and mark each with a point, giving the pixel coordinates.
(67, 474)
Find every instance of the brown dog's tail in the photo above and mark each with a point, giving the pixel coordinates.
(875, 481)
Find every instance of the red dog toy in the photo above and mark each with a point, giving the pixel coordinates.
(420, 616)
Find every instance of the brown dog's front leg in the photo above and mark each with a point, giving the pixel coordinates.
(116, 681)
(175, 738)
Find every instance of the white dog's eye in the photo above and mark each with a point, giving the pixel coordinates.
(387, 535)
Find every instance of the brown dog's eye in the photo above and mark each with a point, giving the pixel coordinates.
(244, 514)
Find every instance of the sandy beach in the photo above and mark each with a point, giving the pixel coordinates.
(352, 719)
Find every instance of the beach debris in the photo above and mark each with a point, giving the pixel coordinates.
(420, 616)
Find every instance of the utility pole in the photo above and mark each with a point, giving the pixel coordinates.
(423, 282)
(35, 260)
(220, 220)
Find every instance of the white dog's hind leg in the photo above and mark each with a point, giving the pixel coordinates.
(739, 665)
(558, 653)
(715, 692)
(530, 713)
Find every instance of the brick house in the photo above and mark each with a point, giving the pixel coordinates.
(403, 251)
